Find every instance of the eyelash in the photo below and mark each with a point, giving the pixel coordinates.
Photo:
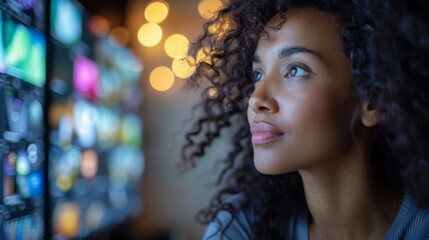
(255, 78)
(297, 67)
(257, 75)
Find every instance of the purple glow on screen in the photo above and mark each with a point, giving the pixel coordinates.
(85, 77)
(26, 4)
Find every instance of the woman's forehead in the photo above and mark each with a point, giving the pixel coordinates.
(306, 27)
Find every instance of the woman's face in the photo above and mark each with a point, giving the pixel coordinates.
(302, 106)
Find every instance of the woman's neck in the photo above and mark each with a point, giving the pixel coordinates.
(346, 202)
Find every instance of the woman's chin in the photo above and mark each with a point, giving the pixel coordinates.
(271, 168)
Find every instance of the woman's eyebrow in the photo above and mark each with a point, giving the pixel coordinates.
(288, 51)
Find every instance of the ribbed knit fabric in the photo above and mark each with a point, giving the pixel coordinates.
(411, 223)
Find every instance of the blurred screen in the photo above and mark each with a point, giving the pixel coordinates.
(95, 154)
(22, 81)
(23, 53)
(66, 21)
(29, 12)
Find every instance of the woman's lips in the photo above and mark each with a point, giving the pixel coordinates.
(263, 133)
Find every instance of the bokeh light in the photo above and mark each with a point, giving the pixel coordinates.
(209, 8)
(89, 164)
(212, 93)
(67, 218)
(149, 34)
(156, 12)
(203, 55)
(99, 25)
(183, 67)
(161, 78)
(176, 46)
(120, 35)
(220, 28)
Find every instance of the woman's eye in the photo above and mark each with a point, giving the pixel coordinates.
(257, 76)
(296, 71)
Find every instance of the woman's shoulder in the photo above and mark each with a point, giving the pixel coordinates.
(238, 225)
(412, 222)
(231, 225)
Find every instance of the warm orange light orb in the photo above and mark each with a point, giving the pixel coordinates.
(183, 67)
(212, 93)
(156, 12)
(176, 46)
(99, 25)
(203, 55)
(149, 34)
(161, 79)
(209, 8)
(120, 35)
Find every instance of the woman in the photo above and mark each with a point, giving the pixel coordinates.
(331, 95)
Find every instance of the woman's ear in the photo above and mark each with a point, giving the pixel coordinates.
(369, 115)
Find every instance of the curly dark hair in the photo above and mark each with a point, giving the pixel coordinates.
(388, 45)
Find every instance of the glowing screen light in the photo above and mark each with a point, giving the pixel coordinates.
(94, 215)
(85, 118)
(66, 21)
(131, 131)
(22, 164)
(2, 63)
(25, 53)
(9, 166)
(208, 8)
(35, 114)
(67, 169)
(35, 183)
(35, 69)
(125, 164)
(176, 46)
(67, 219)
(149, 34)
(107, 127)
(156, 12)
(161, 79)
(21, 40)
(32, 153)
(24, 4)
(85, 77)
(183, 67)
(89, 163)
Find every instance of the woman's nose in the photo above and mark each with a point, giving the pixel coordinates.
(262, 99)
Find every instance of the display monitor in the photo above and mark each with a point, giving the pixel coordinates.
(95, 134)
(22, 130)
